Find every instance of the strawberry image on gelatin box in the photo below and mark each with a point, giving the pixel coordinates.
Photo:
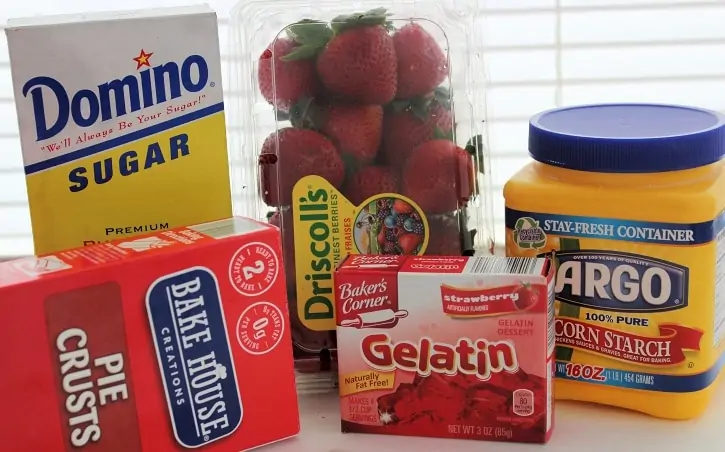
(451, 347)
(364, 127)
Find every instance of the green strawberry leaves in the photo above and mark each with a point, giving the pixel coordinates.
(377, 16)
(306, 114)
(281, 115)
(311, 35)
(477, 148)
(309, 31)
(442, 96)
(440, 134)
(420, 106)
(467, 235)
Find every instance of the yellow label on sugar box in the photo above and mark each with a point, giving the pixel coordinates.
(121, 122)
(327, 227)
(640, 305)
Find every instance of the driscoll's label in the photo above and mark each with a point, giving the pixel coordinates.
(634, 299)
(328, 227)
(194, 355)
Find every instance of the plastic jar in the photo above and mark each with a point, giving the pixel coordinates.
(631, 198)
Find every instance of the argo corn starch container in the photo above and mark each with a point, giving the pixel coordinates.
(631, 200)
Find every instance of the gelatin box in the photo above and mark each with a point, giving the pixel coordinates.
(453, 347)
(155, 343)
(121, 121)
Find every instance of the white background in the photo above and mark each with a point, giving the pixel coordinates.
(541, 54)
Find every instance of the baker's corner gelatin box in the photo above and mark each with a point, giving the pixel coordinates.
(167, 342)
(121, 120)
(452, 347)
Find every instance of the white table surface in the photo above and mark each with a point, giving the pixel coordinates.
(579, 428)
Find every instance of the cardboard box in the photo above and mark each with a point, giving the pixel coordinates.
(121, 122)
(166, 342)
(451, 347)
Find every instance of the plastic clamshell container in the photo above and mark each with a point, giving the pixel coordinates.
(360, 127)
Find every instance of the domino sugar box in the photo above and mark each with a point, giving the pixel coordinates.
(121, 120)
(160, 343)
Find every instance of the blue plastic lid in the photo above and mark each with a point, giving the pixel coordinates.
(627, 138)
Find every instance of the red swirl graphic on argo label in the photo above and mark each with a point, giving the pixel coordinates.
(667, 349)
(489, 301)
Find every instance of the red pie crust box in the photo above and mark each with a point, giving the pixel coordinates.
(450, 347)
(179, 340)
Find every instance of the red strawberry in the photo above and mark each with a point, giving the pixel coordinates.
(359, 62)
(283, 220)
(409, 242)
(381, 237)
(422, 64)
(525, 296)
(409, 124)
(402, 207)
(282, 83)
(445, 237)
(356, 130)
(437, 176)
(370, 181)
(290, 154)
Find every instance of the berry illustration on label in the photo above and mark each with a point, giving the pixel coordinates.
(390, 224)
(525, 296)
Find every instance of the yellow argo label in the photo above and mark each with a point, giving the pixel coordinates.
(327, 227)
(640, 305)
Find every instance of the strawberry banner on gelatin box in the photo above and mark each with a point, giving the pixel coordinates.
(489, 301)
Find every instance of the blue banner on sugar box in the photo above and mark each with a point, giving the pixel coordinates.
(615, 229)
(194, 356)
(647, 381)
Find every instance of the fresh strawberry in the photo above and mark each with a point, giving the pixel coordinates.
(438, 176)
(281, 82)
(355, 56)
(356, 130)
(290, 154)
(408, 243)
(408, 124)
(402, 207)
(359, 62)
(283, 220)
(381, 237)
(422, 64)
(370, 181)
(444, 237)
(525, 296)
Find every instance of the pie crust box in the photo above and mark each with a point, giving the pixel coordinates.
(174, 341)
(121, 123)
(360, 128)
(451, 347)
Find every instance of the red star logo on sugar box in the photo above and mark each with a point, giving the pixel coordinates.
(143, 59)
